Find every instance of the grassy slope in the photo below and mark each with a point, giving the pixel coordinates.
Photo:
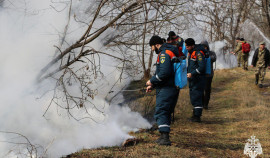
(237, 110)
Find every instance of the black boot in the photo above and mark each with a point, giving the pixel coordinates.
(158, 140)
(164, 139)
(260, 86)
(196, 119)
(256, 79)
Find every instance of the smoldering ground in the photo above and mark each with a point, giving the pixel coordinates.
(28, 33)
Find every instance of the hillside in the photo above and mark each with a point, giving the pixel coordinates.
(237, 110)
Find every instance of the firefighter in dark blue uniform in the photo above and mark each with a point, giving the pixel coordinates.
(178, 42)
(166, 91)
(208, 77)
(196, 78)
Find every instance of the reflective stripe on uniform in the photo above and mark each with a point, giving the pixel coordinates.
(198, 71)
(158, 78)
(170, 53)
(173, 58)
(198, 107)
(160, 126)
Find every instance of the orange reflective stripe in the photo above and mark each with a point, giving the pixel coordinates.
(170, 53)
(194, 56)
(202, 53)
(158, 58)
(176, 39)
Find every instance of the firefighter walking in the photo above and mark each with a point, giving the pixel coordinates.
(196, 78)
(208, 77)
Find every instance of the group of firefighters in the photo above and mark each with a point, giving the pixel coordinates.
(199, 82)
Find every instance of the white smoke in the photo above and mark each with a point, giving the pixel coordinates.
(224, 60)
(28, 32)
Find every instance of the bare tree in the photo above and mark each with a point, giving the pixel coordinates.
(221, 20)
(22, 146)
(133, 22)
(260, 15)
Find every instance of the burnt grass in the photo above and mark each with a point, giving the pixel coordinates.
(237, 110)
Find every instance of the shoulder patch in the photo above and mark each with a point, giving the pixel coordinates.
(162, 59)
(199, 56)
(162, 55)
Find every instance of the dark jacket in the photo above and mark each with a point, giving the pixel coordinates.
(196, 62)
(266, 57)
(212, 55)
(164, 75)
(179, 42)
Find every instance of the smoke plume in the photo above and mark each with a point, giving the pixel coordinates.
(29, 30)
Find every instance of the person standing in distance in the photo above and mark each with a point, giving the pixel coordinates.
(238, 51)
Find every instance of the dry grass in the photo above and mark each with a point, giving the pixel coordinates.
(237, 110)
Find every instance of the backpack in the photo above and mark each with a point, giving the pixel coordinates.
(245, 47)
(180, 72)
(179, 68)
(206, 57)
(208, 66)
